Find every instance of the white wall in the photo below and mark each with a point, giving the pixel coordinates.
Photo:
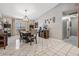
(56, 28)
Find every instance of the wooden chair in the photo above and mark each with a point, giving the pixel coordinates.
(21, 36)
(24, 37)
(33, 36)
(3, 40)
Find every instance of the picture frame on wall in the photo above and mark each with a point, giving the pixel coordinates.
(50, 19)
(36, 24)
(45, 21)
(53, 19)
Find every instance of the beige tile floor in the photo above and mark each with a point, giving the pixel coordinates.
(44, 47)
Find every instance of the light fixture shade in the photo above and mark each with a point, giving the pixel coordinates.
(4, 20)
(25, 18)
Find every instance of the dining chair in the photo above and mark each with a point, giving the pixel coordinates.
(3, 41)
(21, 36)
(33, 36)
(24, 37)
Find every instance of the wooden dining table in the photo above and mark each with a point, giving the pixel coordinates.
(30, 36)
(26, 31)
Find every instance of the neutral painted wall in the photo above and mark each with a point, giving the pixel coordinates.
(55, 28)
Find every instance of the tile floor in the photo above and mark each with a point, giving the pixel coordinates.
(44, 47)
(72, 40)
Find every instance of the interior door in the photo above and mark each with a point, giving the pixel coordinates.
(64, 29)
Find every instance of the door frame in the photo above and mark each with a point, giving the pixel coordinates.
(78, 26)
(77, 9)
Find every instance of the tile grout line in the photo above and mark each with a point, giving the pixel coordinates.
(60, 48)
(68, 51)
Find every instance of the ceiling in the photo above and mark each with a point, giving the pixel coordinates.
(34, 10)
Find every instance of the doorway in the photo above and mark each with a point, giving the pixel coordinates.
(70, 26)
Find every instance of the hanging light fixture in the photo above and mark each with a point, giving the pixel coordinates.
(25, 17)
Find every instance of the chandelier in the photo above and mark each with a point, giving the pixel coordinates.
(25, 16)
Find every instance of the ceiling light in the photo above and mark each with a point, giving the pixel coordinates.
(25, 17)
